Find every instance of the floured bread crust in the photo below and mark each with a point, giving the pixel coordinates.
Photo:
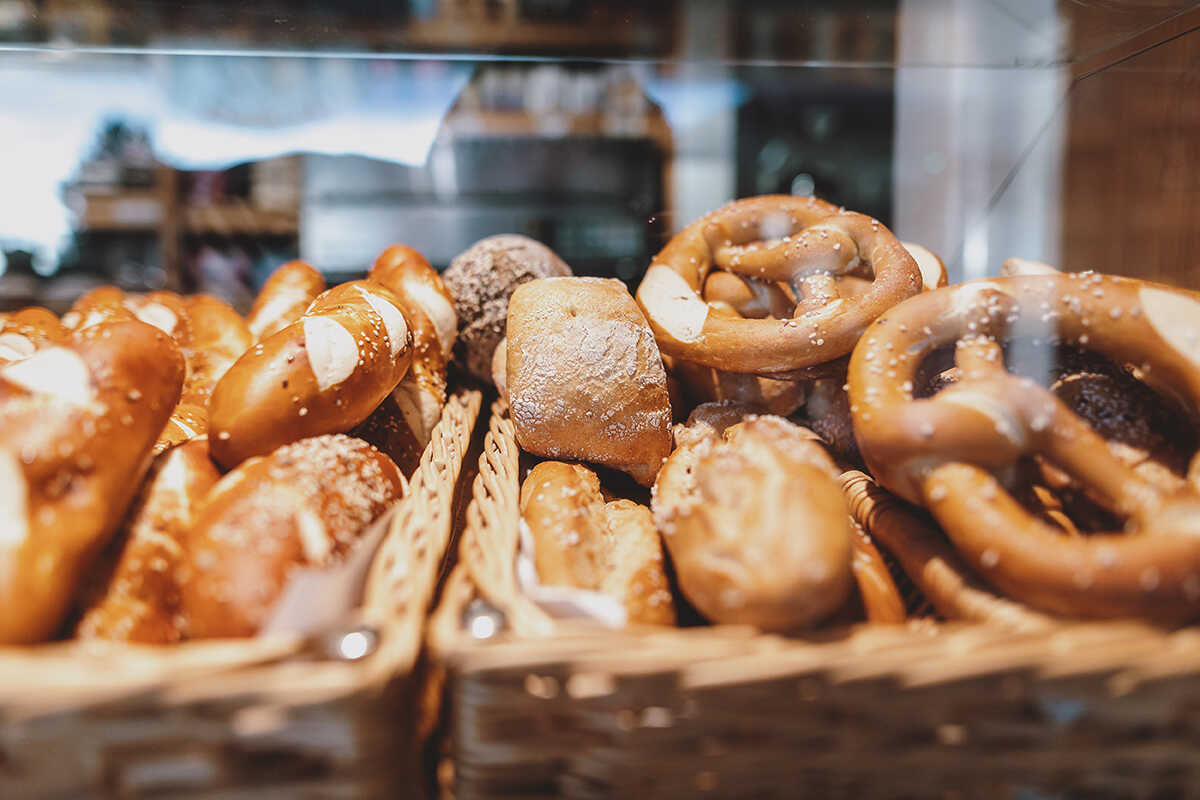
(585, 378)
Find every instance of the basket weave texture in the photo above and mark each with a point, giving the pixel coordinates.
(280, 716)
(1020, 706)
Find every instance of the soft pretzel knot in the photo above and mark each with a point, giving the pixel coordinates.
(804, 243)
(946, 451)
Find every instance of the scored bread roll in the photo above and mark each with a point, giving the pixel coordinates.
(219, 337)
(481, 279)
(102, 304)
(755, 522)
(324, 373)
(304, 505)
(24, 332)
(580, 541)
(139, 599)
(285, 296)
(76, 426)
(403, 424)
(585, 378)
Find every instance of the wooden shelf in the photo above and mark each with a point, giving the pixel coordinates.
(235, 218)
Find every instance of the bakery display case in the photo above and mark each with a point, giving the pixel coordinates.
(560, 398)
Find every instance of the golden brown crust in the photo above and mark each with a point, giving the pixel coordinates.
(102, 304)
(76, 427)
(707, 385)
(219, 337)
(803, 241)
(947, 452)
(757, 529)
(139, 601)
(305, 504)
(285, 296)
(324, 373)
(580, 541)
(585, 378)
(24, 332)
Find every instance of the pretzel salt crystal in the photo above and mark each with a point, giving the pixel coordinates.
(804, 242)
(944, 451)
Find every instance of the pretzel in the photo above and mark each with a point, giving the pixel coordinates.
(76, 426)
(806, 243)
(324, 373)
(946, 451)
(24, 332)
(188, 421)
(283, 298)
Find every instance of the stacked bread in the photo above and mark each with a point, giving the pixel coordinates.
(167, 465)
(815, 365)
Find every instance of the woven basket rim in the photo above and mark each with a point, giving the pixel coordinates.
(57, 676)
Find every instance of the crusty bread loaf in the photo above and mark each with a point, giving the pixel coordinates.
(77, 424)
(481, 279)
(758, 530)
(324, 373)
(139, 598)
(305, 504)
(583, 542)
(585, 378)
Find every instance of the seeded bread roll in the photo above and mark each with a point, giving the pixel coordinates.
(305, 504)
(583, 542)
(481, 279)
(139, 599)
(585, 378)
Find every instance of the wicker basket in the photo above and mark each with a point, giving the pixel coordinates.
(920, 710)
(287, 716)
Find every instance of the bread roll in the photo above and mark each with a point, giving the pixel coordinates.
(403, 424)
(219, 337)
(139, 601)
(583, 542)
(24, 332)
(305, 504)
(102, 304)
(76, 426)
(585, 379)
(283, 298)
(481, 279)
(324, 373)
(188, 421)
(758, 530)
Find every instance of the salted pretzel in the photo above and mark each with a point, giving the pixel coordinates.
(949, 452)
(803, 242)
(283, 298)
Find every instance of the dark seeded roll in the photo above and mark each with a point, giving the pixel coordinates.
(481, 279)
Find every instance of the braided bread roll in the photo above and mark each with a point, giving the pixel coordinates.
(285, 296)
(324, 373)
(139, 600)
(305, 504)
(580, 541)
(76, 427)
